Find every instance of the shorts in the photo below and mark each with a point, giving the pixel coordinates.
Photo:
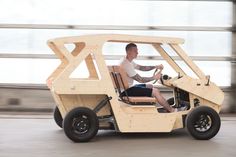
(138, 90)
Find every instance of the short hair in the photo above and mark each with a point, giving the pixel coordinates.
(129, 46)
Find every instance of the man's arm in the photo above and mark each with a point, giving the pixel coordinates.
(140, 79)
(146, 68)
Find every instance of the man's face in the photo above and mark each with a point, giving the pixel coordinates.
(133, 52)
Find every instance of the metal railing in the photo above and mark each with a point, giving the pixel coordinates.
(117, 57)
(44, 87)
(117, 27)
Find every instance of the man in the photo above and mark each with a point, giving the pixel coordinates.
(142, 89)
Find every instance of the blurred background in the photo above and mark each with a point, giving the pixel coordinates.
(208, 27)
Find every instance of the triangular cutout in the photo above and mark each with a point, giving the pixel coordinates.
(87, 69)
(80, 72)
(70, 47)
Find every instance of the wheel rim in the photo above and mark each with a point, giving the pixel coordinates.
(203, 123)
(81, 124)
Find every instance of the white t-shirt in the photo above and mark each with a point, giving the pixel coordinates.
(129, 68)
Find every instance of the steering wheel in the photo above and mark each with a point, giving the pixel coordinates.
(162, 78)
(155, 72)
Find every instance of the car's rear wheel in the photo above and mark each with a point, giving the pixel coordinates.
(57, 117)
(81, 124)
(203, 123)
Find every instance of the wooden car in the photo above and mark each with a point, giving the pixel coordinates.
(85, 105)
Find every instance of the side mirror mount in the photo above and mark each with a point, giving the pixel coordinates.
(208, 80)
(179, 76)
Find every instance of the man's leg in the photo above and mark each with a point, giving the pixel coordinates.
(149, 86)
(161, 100)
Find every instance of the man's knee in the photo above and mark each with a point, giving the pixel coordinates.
(155, 92)
(149, 85)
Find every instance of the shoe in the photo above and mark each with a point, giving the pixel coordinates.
(184, 103)
(183, 108)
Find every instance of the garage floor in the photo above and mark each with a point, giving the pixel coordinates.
(38, 136)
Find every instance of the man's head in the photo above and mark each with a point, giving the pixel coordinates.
(131, 51)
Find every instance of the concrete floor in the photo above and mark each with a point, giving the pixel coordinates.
(38, 136)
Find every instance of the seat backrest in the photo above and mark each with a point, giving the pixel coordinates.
(119, 78)
(123, 80)
(111, 71)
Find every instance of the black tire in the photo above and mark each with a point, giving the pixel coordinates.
(203, 123)
(57, 117)
(81, 124)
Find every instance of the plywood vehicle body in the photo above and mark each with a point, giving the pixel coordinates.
(85, 105)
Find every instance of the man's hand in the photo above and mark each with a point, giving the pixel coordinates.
(157, 76)
(161, 67)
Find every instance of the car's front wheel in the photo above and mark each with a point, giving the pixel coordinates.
(203, 123)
